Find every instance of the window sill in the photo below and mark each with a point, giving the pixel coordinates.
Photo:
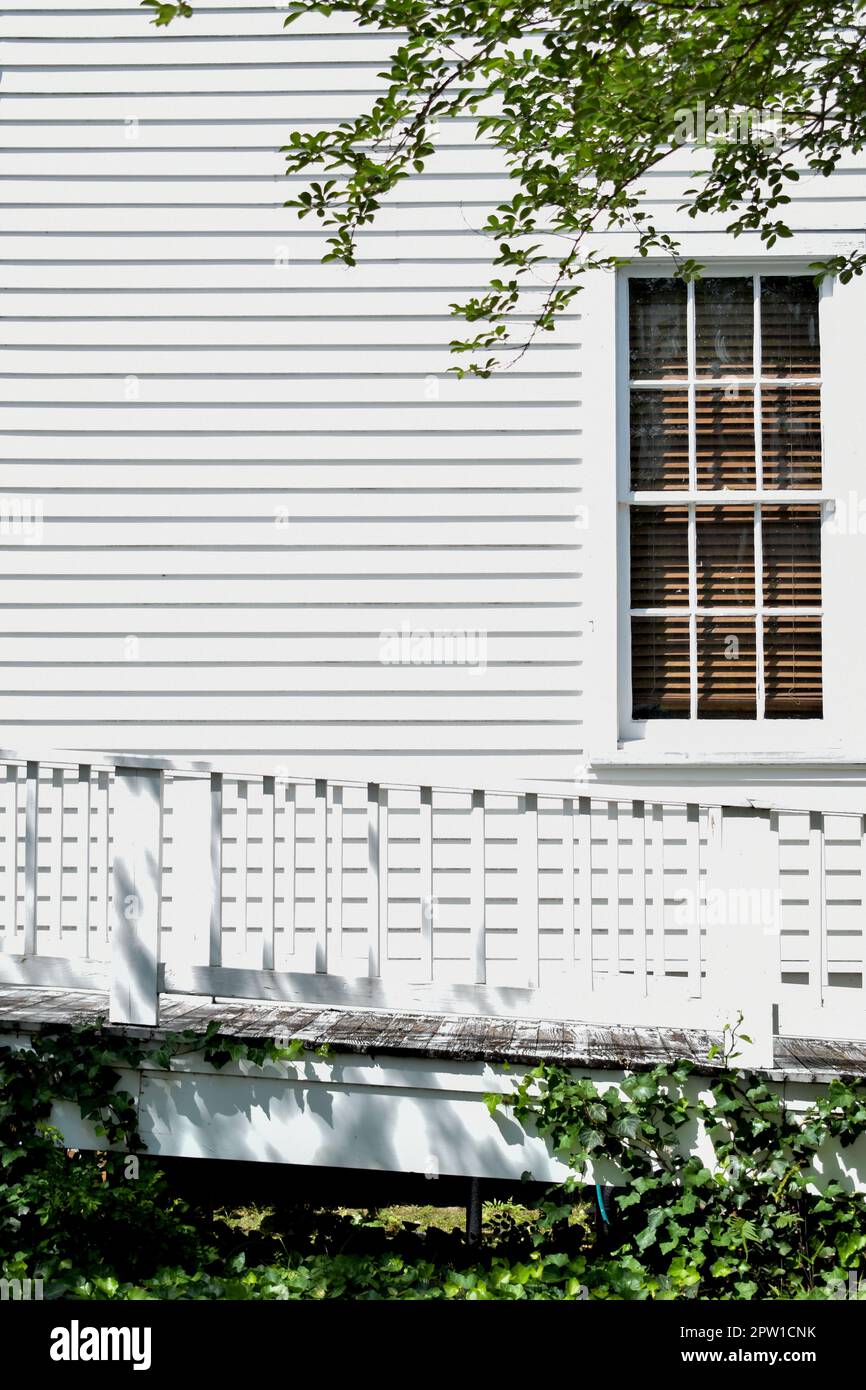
(638, 757)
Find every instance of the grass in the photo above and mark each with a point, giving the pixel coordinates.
(499, 1220)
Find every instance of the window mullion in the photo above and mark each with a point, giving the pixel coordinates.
(693, 621)
(760, 685)
(693, 470)
(760, 689)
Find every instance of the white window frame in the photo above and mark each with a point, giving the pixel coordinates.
(612, 736)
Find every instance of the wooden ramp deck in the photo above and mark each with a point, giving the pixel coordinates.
(399, 1091)
(465, 1038)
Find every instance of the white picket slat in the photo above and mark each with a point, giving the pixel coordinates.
(693, 891)
(216, 869)
(336, 896)
(268, 847)
(528, 925)
(49, 890)
(817, 945)
(569, 918)
(100, 873)
(80, 887)
(614, 892)
(640, 894)
(286, 822)
(374, 892)
(425, 880)
(9, 858)
(477, 889)
(242, 895)
(320, 875)
(383, 861)
(31, 854)
(657, 915)
(587, 945)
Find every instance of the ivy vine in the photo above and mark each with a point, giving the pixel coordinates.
(745, 1221)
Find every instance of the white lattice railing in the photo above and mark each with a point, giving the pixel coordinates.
(146, 876)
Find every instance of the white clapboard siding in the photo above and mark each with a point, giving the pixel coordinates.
(254, 475)
(277, 331)
(172, 133)
(282, 510)
(177, 77)
(283, 277)
(280, 390)
(249, 545)
(378, 621)
(140, 166)
(457, 223)
(271, 675)
(266, 304)
(427, 363)
(332, 446)
(140, 107)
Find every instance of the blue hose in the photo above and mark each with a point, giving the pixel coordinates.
(600, 1199)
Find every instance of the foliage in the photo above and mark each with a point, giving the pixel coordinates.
(108, 1226)
(57, 1205)
(164, 13)
(584, 98)
(60, 1205)
(356, 1277)
(748, 1227)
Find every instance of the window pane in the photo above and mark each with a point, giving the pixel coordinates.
(660, 668)
(792, 668)
(725, 438)
(725, 552)
(727, 656)
(791, 436)
(657, 328)
(659, 557)
(659, 440)
(792, 556)
(724, 326)
(789, 326)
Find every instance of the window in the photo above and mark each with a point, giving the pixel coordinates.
(724, 507)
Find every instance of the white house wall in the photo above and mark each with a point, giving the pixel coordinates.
(254, 467)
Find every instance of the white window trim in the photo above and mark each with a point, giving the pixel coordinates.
(612, 738)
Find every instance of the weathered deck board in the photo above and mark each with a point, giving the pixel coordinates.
(465, 1038)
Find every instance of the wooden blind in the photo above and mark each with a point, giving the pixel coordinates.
(659, 557)
(792, 667)
(657, 329)
(725, 438)
(791, 435)
(713, 575)
(792, 556)
(724, 326)
(659, 440)
(660, 668)
(725, 556)
(789, 326)
(727, 668)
